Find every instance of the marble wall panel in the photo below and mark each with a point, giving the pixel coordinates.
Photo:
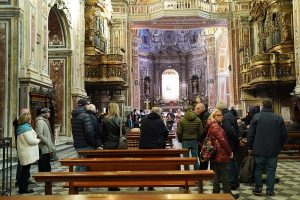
(3, 62)
(57, 70)
(33, 35)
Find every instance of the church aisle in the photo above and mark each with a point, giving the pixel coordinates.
(288, 188)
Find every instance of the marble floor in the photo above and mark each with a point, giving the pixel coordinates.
(288, 188)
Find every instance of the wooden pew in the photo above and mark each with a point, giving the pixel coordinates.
(128, 164)
(128, 178)
(141, 153)
(290, 150)
(124, 197)
(134, 139)
(133, 164)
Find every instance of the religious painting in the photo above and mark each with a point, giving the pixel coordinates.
(170, 85)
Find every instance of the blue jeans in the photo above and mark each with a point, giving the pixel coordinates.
(265, 163)
(82, 168)
(191, 145)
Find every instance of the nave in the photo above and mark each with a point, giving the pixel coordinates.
(288, 188)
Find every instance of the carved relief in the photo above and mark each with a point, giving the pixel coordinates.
(274, 23)
(268, 68)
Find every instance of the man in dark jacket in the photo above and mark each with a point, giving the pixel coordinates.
(189, 133)
(154, 133)
(231, 128)
(266, 136)
(82, 129)
(203, 114)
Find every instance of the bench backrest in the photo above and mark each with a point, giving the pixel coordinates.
(141, 153)
(128, 164)
(125, 197)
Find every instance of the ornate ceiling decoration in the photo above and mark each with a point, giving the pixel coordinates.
(171, 42)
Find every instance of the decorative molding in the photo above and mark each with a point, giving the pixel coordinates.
(64, 6)
(5, 2)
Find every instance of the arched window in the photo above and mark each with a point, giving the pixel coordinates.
(170, 85)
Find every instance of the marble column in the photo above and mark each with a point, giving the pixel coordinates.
(135, 65)
(211, 71)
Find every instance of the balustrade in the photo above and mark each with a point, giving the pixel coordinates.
(268, 68)
(110, 69)
(179, 5)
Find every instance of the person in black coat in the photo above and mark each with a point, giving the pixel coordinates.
(231, 128)
(202, 114)
(154, 133)
(82, 129)
(266, 136)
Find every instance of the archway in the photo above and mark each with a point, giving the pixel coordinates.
(59, 60)
(170, 85)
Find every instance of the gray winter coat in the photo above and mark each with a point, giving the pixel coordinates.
(44, 133)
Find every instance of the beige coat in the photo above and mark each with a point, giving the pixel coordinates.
(44, 133)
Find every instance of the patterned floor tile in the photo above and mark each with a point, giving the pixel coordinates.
(288, 187)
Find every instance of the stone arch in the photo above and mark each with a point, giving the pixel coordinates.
(59, 63)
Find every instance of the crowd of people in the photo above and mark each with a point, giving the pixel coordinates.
(265, 132)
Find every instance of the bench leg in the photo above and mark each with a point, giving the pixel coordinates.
(186, 187)
(48, 188)
(200, 186)
(73, 190)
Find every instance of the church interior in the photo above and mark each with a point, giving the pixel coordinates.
(146, 53)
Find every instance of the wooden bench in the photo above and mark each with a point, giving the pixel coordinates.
(124, 197)
(116, 178)
(290, 150)
(134, 164)
(128, 164)
(134, 139)
(141, 153)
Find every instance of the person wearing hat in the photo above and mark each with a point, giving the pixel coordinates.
(82, 130)
(46, 146)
